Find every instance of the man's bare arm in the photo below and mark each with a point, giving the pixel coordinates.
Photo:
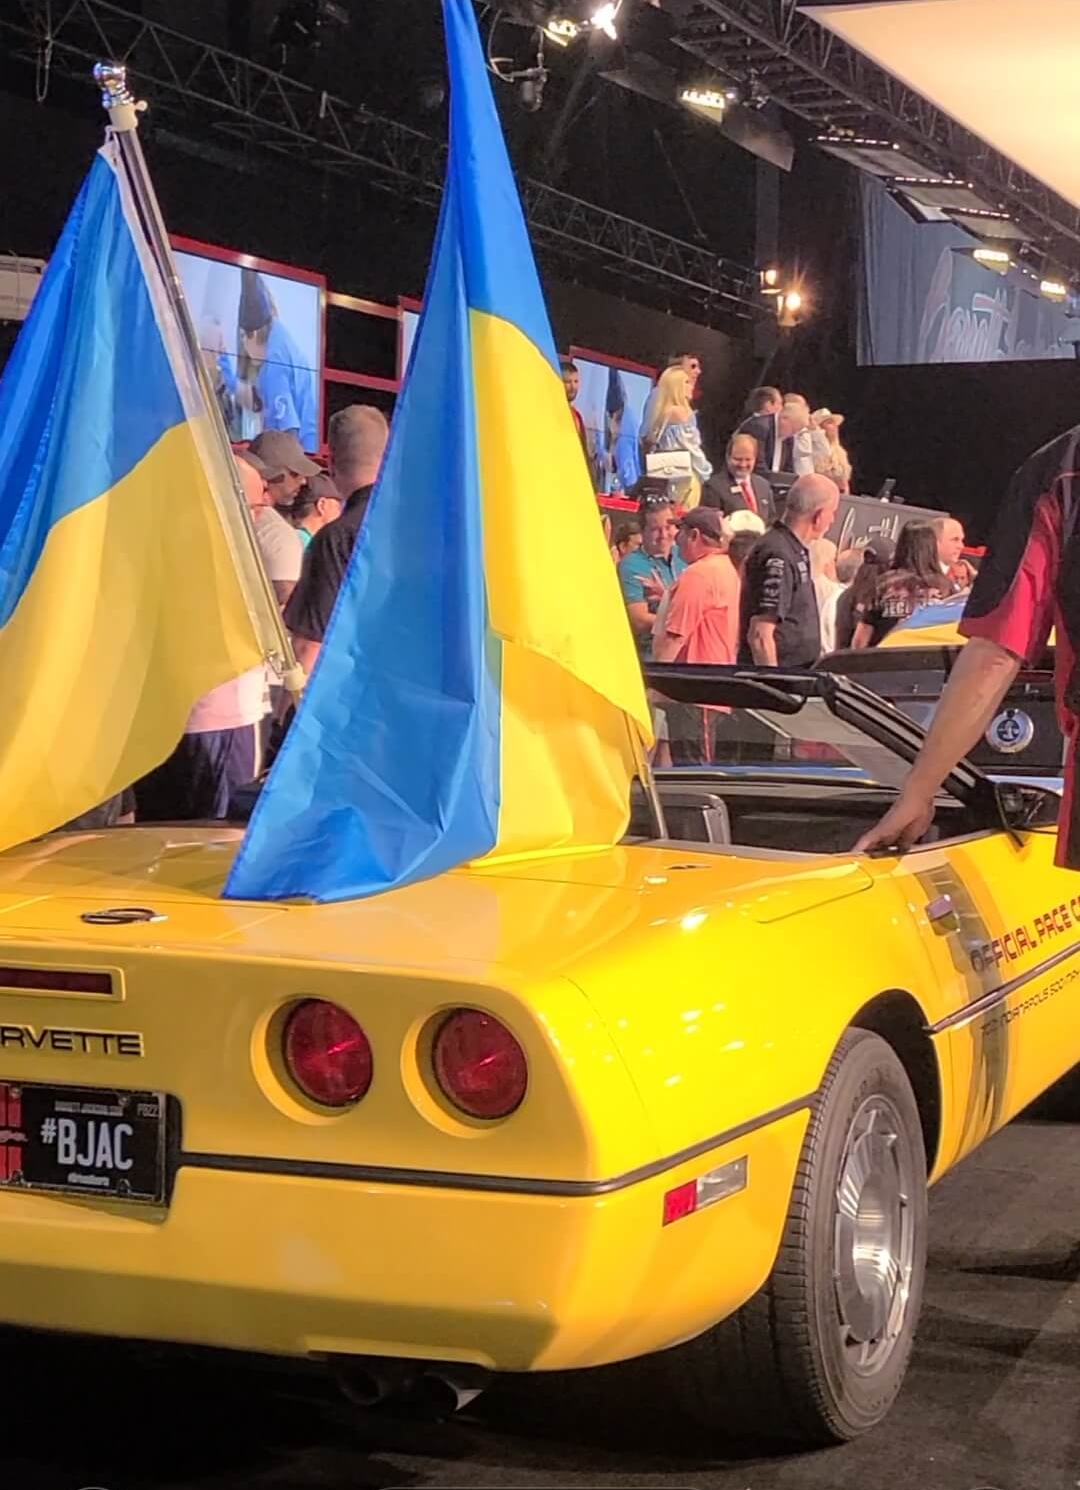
(307, 652)
(641, 618)
(283, 589)
(980, 680)
(761, 639)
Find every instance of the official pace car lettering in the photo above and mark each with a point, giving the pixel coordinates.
(62, 1041)
(1060, 920)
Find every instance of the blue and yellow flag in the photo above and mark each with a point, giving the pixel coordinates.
(478, 693)
(121, 601)
(935, 624)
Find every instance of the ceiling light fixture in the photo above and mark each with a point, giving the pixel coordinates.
(704, 98)
(562, 31)
(789, 306)
(993, 258)
(604, 18)
(1053, 289)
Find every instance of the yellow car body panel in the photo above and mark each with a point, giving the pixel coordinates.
(678, 1007)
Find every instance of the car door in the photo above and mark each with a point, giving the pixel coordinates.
(999, 926)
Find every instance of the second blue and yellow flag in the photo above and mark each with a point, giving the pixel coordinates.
(478, 694)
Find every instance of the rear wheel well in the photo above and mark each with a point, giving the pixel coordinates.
(897, 1018)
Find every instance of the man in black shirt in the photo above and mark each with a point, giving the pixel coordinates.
(779, 624)
(357, 439)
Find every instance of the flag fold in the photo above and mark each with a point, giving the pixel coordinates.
(478, 694)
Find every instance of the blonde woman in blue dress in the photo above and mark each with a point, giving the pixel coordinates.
(673, 425)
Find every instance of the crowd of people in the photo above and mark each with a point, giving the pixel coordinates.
(718, 569)
(702, 586)
(788, 438)
(713, 570)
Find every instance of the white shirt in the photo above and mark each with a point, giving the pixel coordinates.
(279, 544)
(828, 593)
(802, 451)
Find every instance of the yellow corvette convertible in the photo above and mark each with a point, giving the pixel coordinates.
(679, 1099)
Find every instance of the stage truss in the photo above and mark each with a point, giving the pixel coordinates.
(815, 75)
(190, 83)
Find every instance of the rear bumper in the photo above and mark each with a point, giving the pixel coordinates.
(296, 1265)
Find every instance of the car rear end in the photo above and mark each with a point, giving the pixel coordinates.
(206, 1137)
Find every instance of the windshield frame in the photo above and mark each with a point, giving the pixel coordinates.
(784, 691)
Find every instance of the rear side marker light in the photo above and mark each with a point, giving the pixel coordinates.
(327, 1053)
(479, 1065)
(706, 1190)
(55, 980)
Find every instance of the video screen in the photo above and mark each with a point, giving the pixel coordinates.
(261, 337)
(611, 402)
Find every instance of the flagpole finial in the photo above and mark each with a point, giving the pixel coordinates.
(116, 98)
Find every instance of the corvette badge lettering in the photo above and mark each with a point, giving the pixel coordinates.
(62, 1041)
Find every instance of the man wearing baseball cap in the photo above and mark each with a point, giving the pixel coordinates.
(280, 451)
(699, 622)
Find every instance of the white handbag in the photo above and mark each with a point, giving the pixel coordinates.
(671, 465)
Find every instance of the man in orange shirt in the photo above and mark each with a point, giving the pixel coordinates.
(699, 623)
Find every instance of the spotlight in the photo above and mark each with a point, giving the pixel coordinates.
(1053, 289)
(770, 281)
(710, 99)
(788, 306)
(603, 19)
(993, 258)
(562, 31)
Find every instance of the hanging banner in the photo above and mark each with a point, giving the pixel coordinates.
(925, 299)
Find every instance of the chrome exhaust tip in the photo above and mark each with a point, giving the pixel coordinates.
(430, 1389)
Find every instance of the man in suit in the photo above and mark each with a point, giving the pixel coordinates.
(772, 429)
(738, 488)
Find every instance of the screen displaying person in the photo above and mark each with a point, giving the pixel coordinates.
(274, 382)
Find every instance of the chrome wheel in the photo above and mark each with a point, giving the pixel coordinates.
(874, 1235)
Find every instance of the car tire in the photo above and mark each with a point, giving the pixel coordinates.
(819, 1354)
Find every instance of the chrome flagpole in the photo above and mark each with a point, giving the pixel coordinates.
(123, 111)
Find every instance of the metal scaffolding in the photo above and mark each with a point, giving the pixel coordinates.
(190, 80)
(818, 77)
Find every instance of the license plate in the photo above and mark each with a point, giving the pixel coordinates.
(82, 1141)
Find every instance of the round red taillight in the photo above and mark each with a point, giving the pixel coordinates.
(327, 1053)
(479, 1064)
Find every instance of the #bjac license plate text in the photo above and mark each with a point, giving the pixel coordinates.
(82, 1140)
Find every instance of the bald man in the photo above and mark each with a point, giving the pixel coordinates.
(779, 624)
